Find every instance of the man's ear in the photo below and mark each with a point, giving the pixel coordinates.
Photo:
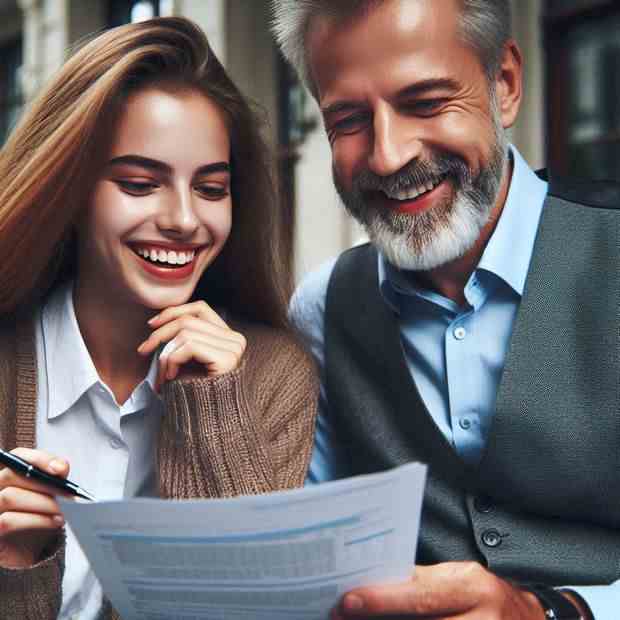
(509, 83)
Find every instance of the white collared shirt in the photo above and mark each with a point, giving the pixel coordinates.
(111, 448)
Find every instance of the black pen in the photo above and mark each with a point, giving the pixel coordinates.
(24, 468)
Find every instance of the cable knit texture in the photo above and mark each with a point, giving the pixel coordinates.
(248, 431)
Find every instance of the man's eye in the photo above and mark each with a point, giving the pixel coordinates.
(349, 124)
(211, 192)
(136, 188)
(425, 107)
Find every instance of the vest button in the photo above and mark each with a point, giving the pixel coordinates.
(492, 538)
(483, 504)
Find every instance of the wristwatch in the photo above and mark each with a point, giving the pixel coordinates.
(555, 606)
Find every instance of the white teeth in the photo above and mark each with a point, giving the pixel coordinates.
(414, 192)
(171, 257)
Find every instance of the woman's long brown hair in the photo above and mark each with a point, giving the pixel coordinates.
(51, 161)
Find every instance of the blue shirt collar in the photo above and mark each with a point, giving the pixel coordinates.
(509, 249)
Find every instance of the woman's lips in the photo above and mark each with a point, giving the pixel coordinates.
(167, 270)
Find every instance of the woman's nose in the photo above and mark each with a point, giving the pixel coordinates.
(178, 215)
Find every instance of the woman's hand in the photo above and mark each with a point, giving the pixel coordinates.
(193, 333)
(29, 514)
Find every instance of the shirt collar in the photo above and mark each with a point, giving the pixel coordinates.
(69, 368)
(516, 230)
(509, 250)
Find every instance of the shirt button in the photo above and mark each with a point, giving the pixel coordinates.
(492, 538)
(460, 333)
(465, 423)
(116, 443)
(483, 504)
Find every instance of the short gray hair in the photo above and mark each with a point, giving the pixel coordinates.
(486, 25)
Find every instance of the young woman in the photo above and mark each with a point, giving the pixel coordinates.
(143, 291)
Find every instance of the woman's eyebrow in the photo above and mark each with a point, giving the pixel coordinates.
(220, 166)
(160, 166)
(142, 162)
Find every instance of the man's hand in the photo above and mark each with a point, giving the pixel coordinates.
(448, 591)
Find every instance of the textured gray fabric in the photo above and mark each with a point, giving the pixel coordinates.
(551, 470)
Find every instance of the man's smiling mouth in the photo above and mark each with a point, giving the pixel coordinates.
(411, 193)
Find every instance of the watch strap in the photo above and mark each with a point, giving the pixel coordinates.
(581, 601)
(554, 604)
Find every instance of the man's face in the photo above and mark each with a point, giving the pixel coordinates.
(417, 137)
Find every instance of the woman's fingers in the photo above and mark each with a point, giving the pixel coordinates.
(22, 510)
(195, 333)
(18, 522)
(170, 330)
(217, 354)
(200, 309)
(47, 462)
(16, 499)
(217, 360)
(44, 460)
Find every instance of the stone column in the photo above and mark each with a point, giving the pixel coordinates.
(529, 133)
(44, 41)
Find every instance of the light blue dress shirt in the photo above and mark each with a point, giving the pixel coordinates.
(455, 354)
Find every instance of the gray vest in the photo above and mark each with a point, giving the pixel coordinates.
(544, 503)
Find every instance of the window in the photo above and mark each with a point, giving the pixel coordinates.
(131, 11)
(10, 87)
(583, 69)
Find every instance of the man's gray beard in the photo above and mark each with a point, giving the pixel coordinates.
(439, 235)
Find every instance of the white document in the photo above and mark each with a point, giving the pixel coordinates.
(288, 555)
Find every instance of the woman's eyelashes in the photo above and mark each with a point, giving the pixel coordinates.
(137, 188)
(208, 191)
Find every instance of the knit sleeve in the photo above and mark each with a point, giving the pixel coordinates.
(35, 592)
(248, 431)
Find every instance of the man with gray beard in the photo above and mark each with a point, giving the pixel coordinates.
(479, 330)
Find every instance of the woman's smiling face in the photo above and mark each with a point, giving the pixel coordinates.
(161, 210)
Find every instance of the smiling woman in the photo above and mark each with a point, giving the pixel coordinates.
(143, 291)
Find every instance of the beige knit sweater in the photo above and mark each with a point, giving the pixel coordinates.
(248, 431)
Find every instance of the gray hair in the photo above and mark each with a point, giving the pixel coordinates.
(485, 26)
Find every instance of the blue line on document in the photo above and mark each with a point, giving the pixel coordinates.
(370, 537)
(209, 540)
(289, 584)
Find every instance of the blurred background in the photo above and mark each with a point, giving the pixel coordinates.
(570, 119)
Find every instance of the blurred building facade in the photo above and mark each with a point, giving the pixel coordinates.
(570, 117)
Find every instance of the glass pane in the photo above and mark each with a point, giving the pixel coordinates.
(594, 99)
(166, 8)
(141, 11)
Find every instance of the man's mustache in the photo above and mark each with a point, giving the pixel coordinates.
(414, 174)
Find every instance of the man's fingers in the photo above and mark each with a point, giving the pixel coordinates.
(442, 590)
